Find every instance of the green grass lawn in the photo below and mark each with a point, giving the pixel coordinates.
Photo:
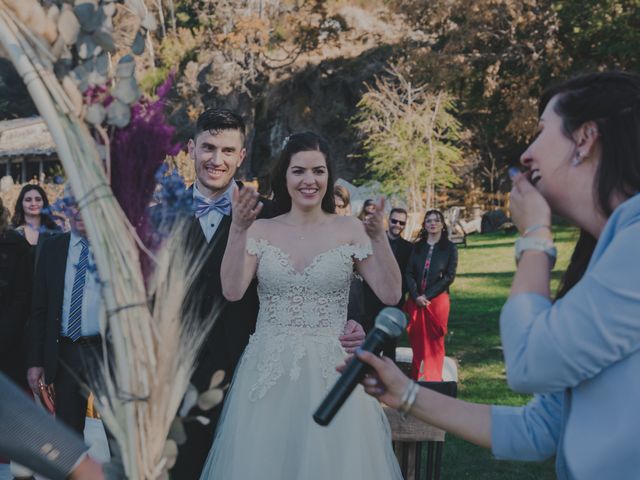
(485, 270)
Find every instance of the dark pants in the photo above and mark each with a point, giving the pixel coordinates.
(76, 361)
(193, 453)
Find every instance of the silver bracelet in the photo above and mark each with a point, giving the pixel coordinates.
(408, 399)
(534, 228)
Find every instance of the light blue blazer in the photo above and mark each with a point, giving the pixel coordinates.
(581, 356)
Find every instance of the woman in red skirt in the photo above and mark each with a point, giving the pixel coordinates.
(430, 271)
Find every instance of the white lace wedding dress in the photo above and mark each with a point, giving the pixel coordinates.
(266, 430)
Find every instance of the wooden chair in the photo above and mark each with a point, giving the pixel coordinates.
(418, 445)
(457, 233)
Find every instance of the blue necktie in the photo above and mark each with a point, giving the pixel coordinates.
(74, 328)
(204, 206)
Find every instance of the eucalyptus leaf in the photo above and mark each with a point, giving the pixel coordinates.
(126, 67)
(68, 26)
(96, 114)
(210, 399)
(87, 47)
(89, 16)
(189, 400)
(138, 43)
(104, 38)
(149, 22)
(177, 431)
(118, 114)
(81, 76)
(216, 378)
(202, 420)
(64, 64)
(109, 9)
(170, 453)
(101, 64)
(58, 47)
(96, 78)
(126, 90)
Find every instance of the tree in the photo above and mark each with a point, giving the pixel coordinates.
(412, 138)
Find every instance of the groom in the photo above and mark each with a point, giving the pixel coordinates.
(217, 149)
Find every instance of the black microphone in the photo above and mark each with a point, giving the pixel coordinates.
(390, 323)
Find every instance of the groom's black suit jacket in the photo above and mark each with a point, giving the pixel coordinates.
(234, 323)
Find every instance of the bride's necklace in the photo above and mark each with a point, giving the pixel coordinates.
(303, 235)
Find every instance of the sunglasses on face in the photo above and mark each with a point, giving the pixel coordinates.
(397, 222)
(432, 220)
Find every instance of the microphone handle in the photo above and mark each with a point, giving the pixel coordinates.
(351, 376)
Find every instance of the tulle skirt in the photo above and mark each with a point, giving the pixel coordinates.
(267, 432)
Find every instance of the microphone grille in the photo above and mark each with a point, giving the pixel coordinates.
(392, 321)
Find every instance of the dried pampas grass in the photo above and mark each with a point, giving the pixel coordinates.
(177, 335)
(152, 346)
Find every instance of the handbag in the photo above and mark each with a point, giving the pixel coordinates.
(47, 396)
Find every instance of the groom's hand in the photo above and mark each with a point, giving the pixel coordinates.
(353, 336)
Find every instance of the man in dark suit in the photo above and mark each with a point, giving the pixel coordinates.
(64, 329)
(217, 149)
(401, 250)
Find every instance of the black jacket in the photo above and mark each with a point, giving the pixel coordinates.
(235, 321)
(442, 271)
(15, 294)
(46, 305)
(229, 336)
(401, 249)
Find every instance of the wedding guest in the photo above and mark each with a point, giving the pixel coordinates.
(343, 200)
(28, 218)
(64, 329)
(15, 294)
(579, 354)
(401, 249)
(430, 271)
(368, 208)
(356, 308)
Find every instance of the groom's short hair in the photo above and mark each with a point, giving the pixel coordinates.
(215, 120)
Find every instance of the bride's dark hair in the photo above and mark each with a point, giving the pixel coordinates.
(295, 143)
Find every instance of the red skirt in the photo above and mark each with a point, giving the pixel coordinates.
(427, 329)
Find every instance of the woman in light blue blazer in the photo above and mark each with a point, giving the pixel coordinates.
(579, 355)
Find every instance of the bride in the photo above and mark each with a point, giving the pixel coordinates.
(304, 260)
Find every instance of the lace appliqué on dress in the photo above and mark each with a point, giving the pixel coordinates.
(299, 311)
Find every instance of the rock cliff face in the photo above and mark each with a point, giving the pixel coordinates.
(318, 91)
(321, 98)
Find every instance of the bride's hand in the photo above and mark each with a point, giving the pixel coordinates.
(374, 222)
(245, 207)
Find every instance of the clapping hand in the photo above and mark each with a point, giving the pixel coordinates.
(374, 222)
(245, 207)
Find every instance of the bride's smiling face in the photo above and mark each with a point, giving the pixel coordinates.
(307, 178)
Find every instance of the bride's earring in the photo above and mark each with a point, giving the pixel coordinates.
(577, 159)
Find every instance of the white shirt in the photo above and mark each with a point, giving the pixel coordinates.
(211, 220)
(92, 305)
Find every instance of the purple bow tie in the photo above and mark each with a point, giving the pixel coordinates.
(204, 206)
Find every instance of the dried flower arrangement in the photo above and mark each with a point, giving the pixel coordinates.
(111, 144)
